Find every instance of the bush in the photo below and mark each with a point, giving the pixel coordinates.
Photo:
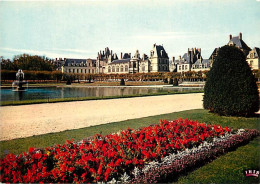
(165, 81)
(175, 82)
(231, 88)
(122, 82)
(68, 82)
(171, 81)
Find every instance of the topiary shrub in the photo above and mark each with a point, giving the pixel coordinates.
(231, 88)
(68, 82)
(171, 81)
(122, 82)
(175, 82)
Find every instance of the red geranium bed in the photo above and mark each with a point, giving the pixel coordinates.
(126, 156)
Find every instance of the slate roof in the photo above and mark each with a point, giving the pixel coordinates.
(187, 59)
(77, 61)
(257, 51)
(118, 61)
(240, 43)
(161, 52)
(204, 61)
(126, 56)
(74, 61)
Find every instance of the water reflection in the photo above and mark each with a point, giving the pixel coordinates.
(20, 93)
(66, 92)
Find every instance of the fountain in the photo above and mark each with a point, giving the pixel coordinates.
(18, 84)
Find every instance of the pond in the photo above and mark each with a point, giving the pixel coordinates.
(66, 92)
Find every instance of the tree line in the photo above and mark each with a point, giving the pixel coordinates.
(28, 62)
(58, 76)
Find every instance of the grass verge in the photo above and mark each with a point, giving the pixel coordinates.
(54, 100)
(226, 169)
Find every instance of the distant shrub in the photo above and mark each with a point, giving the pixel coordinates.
(175, 82)
(165, 81)
(68, 82)
(231, 88)
(171, 81)
(122, 82)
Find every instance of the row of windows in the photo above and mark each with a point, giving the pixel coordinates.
(163, 61)
(181, 67)
(200, 66)
(185, 67)
(81, 71)
(116, 69)
(79, 64)
(164, 68)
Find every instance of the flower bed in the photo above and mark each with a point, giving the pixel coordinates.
(130, 155)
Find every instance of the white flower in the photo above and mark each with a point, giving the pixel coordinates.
(124, 178)
(113, 181)
(136, 172)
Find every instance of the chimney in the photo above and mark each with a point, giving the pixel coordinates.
(179, 58)
(121, 55)
(144, 56)
(111, 52)
(230, 37)
(173, 59)
(199, 49)
(129, 55)
(154, 45)
(240, 36)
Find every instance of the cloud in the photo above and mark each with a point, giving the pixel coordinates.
(53, 53)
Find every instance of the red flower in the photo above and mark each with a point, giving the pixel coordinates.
(31, 150)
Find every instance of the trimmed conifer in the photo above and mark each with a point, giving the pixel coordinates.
(175, 82)
(231, 88)
(122, 82)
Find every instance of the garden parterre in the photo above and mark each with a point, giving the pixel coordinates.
(128, 156)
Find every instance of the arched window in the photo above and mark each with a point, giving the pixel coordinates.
(126, 68)
(117, 69)
(121, 68)
(109, 69)
(113, 68)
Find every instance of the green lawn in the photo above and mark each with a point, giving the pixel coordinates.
(226, 169)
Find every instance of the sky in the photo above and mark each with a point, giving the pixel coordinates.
(79, 29)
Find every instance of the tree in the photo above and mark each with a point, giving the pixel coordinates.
(28, 62)
(175, 82)
(122, 82)
(231, 88)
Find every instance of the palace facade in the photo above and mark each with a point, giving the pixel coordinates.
(253, 58)
(79, 66)
(157, 62)
(109, 63)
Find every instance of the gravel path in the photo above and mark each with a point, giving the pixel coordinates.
(36, 119)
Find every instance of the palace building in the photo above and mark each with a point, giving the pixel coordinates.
(191, 61)
(157, 62)
(79, 66)
(253, 58)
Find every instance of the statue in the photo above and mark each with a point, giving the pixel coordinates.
(19, 81)
(20, 75)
